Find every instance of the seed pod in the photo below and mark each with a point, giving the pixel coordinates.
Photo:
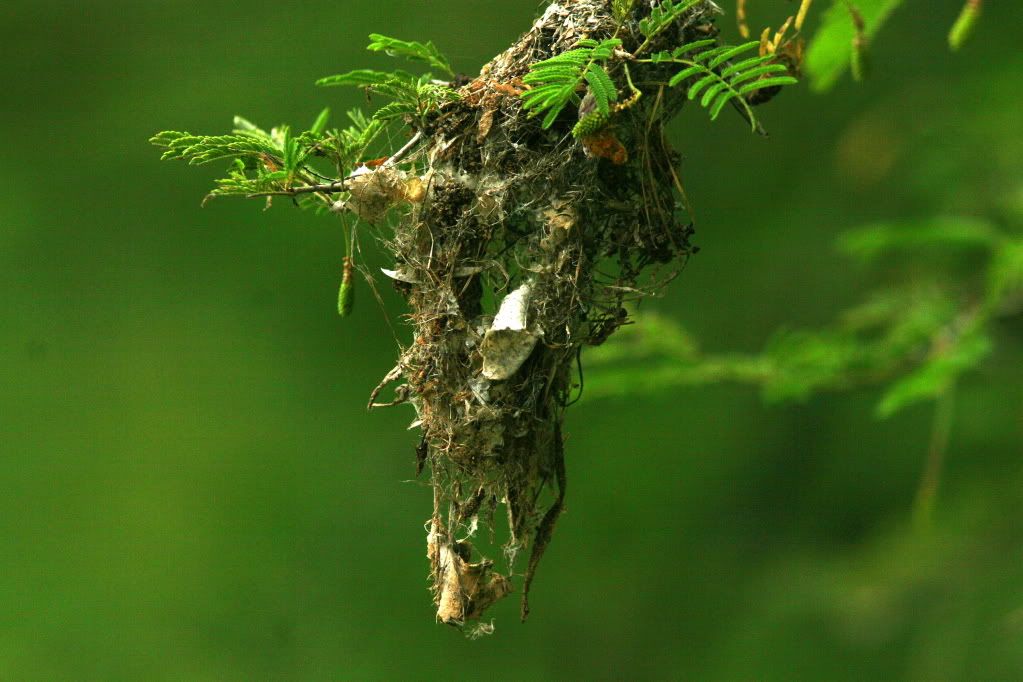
(625, 104)
(346, 294)
(963, 26)
(740, 19)
(590, 124)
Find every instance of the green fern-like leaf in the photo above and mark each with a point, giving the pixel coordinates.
(320, 124)
(394, 110)
(937, 374)
(1005, 275)
(351, 144)
(201, 149)
(941, 234)
(366, 78)
(416, 51)
(395, 84)
(621, 9)
(555, 81)
(676, 55)
(413, 95)
(717, 86)
(602, 87)
(266, 161)
(828, 54)
(661, 17)
(246, 179)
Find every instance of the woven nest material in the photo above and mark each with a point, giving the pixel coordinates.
(520, 246)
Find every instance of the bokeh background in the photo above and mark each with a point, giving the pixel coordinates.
(191, 488)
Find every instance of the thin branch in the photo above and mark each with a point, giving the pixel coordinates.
(339, 185)
(327, 188)
(403, 152)
(927, 492)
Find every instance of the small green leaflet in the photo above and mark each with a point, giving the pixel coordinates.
(555, 81)
(716, 86)
(410, 49)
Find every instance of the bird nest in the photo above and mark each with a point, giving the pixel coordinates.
(517, 247)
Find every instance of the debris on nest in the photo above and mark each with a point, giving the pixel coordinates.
(510, 340)
(464, 590)
(375, 191)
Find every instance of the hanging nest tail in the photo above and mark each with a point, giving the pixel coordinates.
(520, 246)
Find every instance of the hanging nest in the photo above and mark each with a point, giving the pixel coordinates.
(519, 246)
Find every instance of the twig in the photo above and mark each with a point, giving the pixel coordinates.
(339, 185)
(328, 188)
(403, 152)
(927, 492)
(390, 377)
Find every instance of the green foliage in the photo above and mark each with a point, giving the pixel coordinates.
(661, 17)
(938, 234)
(829, 53)
(937, 374)
(416, 51)
(716, 80)
(848, 24)
(414, 96)
(601, 87)
(1005, 275)
(271, 162)
(555, 81)
(803, 362)
(263, 162)
(200, 149)
(281, 162)
(621, 9)
(351, 144)
(320, 124)
(680, 51)
(916, 338)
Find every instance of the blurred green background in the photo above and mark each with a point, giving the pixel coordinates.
(191, 488)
